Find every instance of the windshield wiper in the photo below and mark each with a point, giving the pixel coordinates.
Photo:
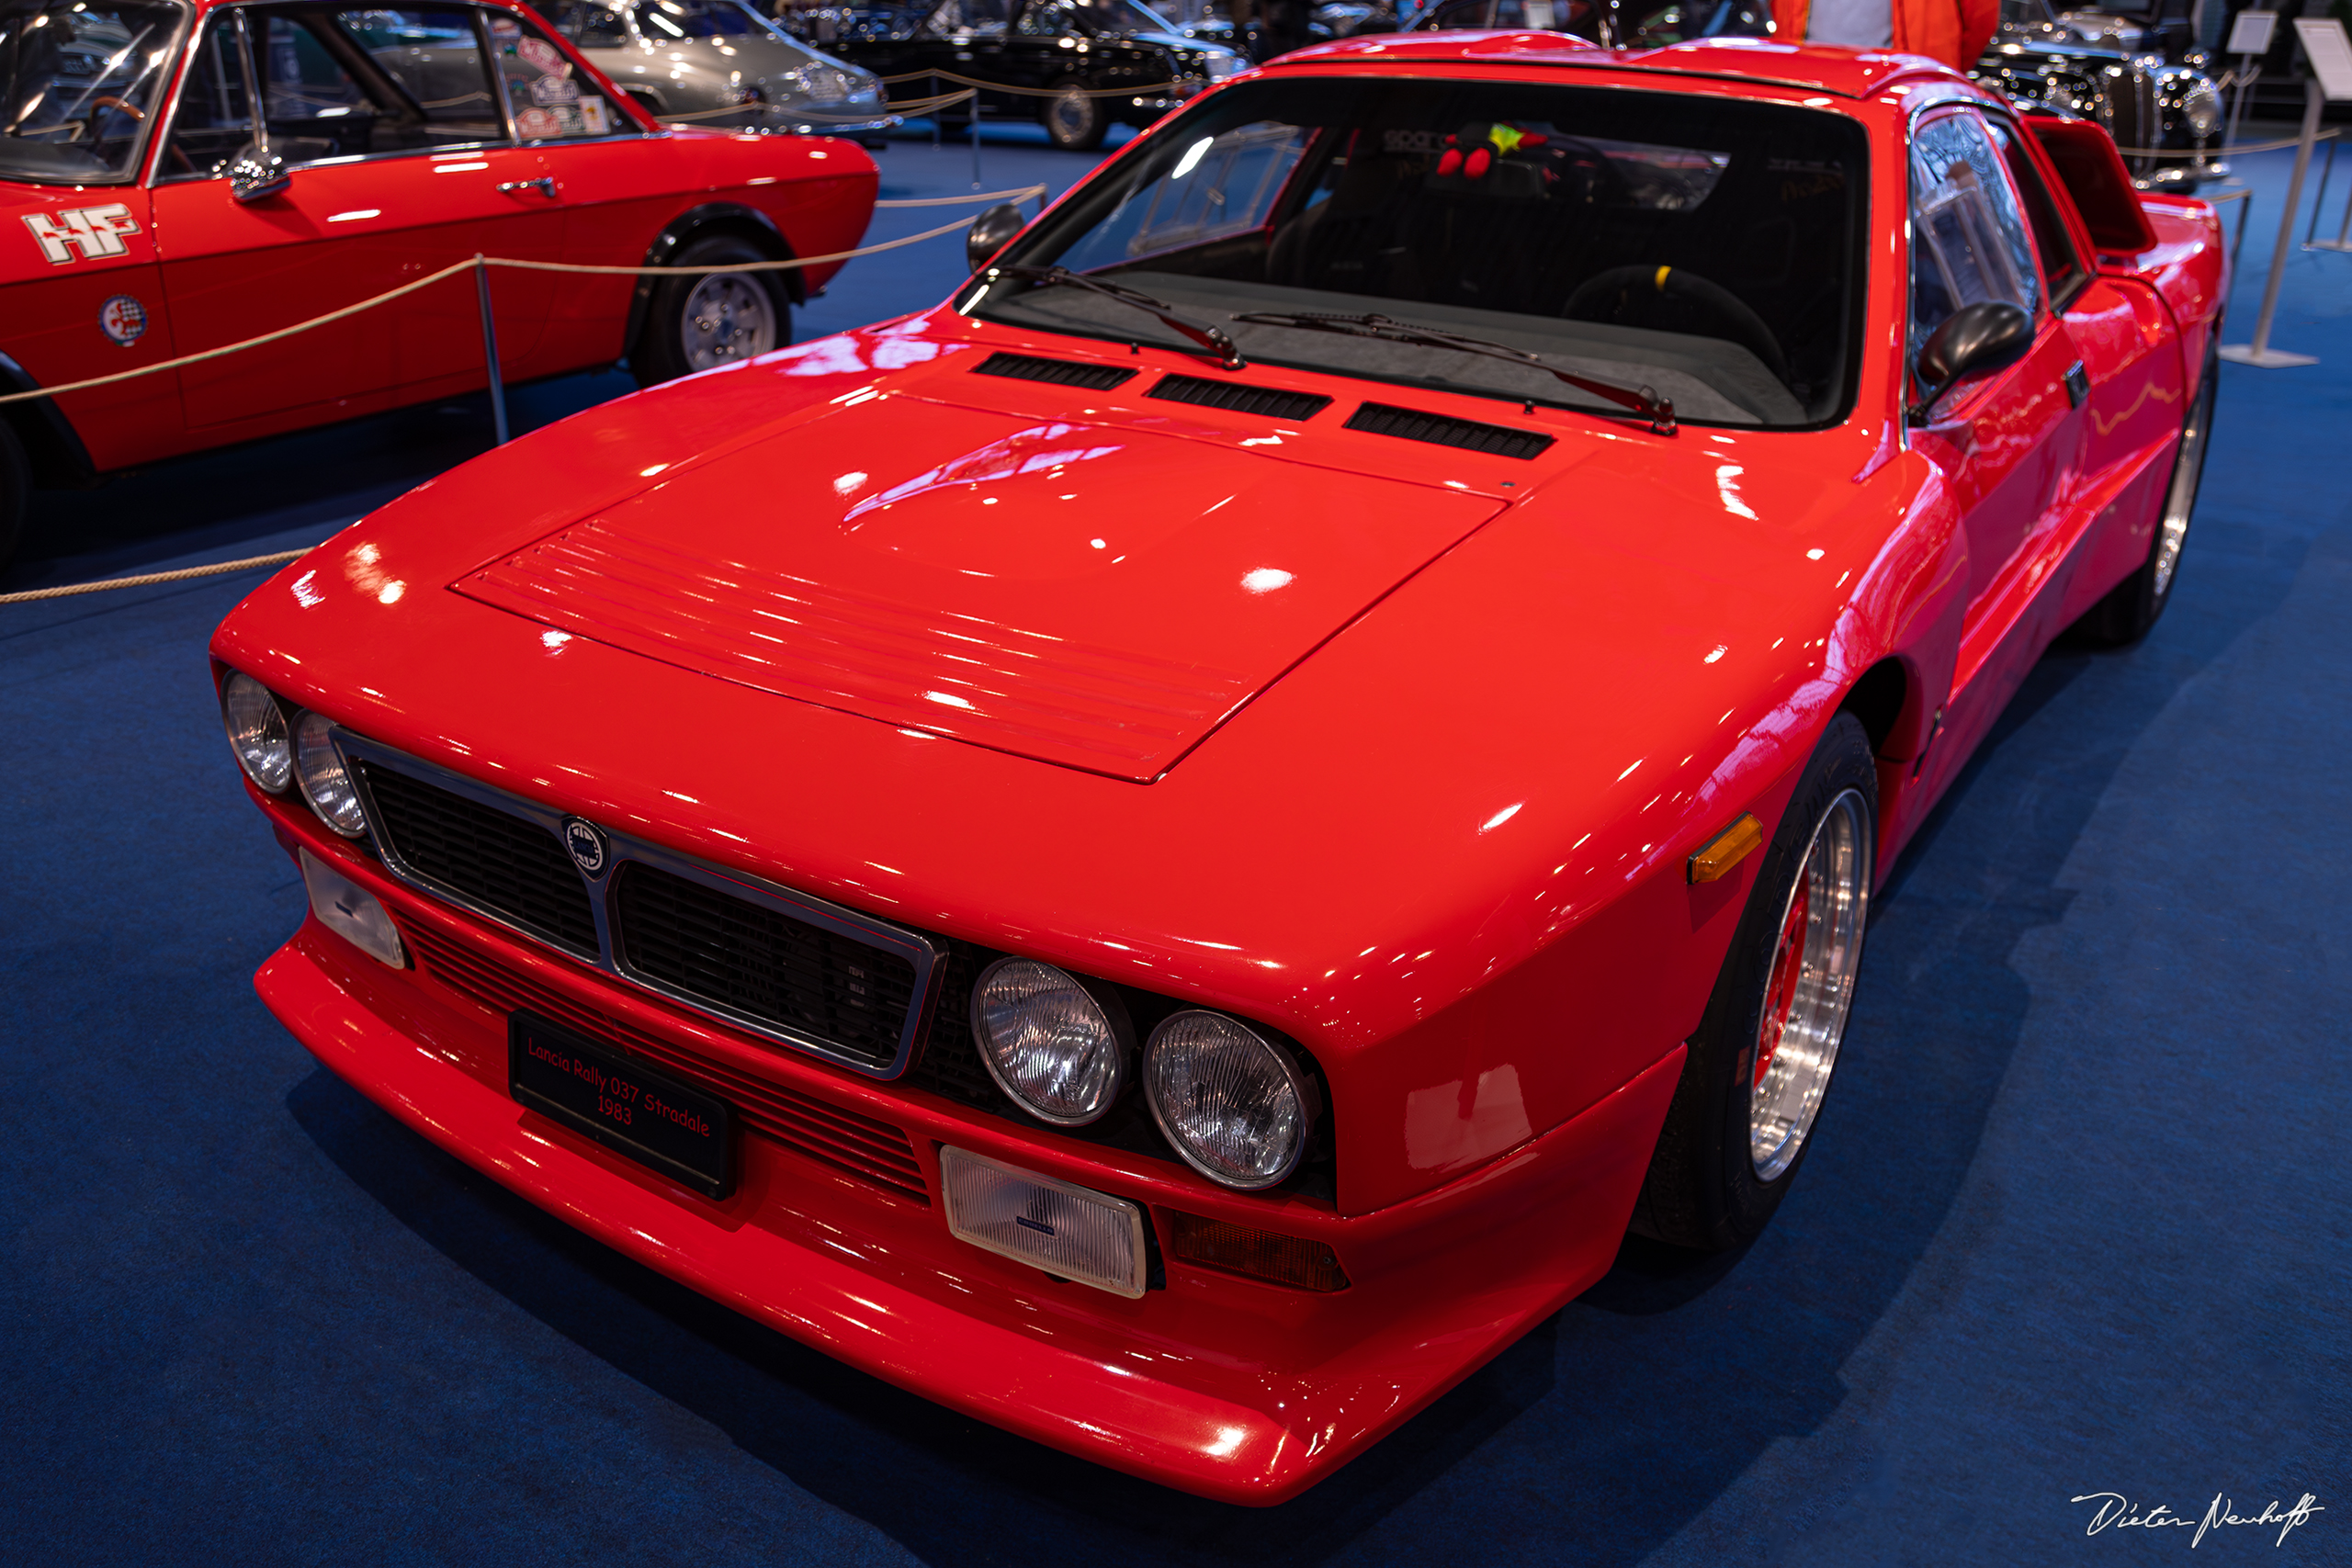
(1645, 401)
(1201, 333)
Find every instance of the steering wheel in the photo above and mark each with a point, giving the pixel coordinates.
(1626, 294)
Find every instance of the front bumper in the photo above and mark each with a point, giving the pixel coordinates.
(1216, 1384)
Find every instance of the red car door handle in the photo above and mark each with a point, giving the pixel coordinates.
(545, 183)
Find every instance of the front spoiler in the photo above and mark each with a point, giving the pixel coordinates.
(1237, 1428)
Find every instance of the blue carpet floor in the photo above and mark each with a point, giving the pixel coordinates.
(2075, 1222)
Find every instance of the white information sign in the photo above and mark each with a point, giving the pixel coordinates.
(2330, 53)
(2250, 34)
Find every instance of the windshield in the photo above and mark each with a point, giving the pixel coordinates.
(2026, 13)
(1708, 247)
(658, 19)
(78, 85)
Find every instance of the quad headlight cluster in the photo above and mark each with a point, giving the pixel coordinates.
(1236, 1106)
(274, 754)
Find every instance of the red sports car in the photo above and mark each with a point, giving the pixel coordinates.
(1168, 852)
(175, 176)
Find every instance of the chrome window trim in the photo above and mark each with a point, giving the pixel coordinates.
(622, 848)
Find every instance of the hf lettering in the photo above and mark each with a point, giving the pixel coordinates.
(95, 232)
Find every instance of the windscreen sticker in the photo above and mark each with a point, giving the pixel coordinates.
(95, 232)
(548, 91)
(592, 116)
(123, 319)
(543, 55)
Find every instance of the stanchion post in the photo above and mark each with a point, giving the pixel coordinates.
(2326, 173)
(489, 350)
(2245, 208)
(974, 131)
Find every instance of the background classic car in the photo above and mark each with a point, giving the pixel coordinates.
(2164, 111)
(152, 213)
(1235, 801)
(722, 64)
(1077, 66)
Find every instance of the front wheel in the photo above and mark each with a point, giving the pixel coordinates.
(699, 322)
(15, 493)
(1075, 119)
(2130, 610)
(1759, 1068)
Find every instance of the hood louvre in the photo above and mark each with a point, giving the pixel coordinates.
(1059, 372)
(1412, 425)
(1240, 398)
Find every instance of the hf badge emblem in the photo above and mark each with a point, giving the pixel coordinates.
(123, 319)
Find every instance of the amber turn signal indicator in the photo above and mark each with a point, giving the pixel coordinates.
(1727, 849)
(1261, 1255)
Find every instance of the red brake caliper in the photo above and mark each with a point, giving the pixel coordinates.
(1788, 964)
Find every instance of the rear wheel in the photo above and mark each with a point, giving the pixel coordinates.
(2130, 610)
(699, 322)
(1759, 1068)
(1075, 120)
(15, 493)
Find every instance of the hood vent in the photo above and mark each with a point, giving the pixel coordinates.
(1411, 424)
(1060, 372)
(1271, 401)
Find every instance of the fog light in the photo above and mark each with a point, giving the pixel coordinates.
(256, 732)
(352, 912)
(326, 782)
(1087, 1237)
(1261, 1254)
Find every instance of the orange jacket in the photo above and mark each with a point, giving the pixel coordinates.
(1954, 31)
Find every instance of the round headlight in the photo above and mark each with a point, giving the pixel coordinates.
(256, 732)
(326, 782)
(1236, 1107)
(1048, 1042)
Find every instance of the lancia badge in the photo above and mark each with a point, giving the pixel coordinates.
(123, 319)
(586, 843)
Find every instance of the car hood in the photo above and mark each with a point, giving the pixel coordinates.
(1087, 594)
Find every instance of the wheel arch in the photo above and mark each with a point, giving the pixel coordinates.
(707, 221)
(51, 445)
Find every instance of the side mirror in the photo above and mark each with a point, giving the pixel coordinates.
(1985, 336)
(990, 232)
(257, 172)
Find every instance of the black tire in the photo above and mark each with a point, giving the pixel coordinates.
(2130, 609)
(1074, 121)
(15, 493)
(696, 323)
(1705, 1188)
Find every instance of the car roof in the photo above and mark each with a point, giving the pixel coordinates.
(1845, 73)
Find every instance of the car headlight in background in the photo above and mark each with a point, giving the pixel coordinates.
(2202, 108)
(257, 732)
(326, 782)
(1233, 1104)
(1051, 1043)
(1221, 66)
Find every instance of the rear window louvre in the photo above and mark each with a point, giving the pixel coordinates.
(1271, 401)
(1060, 372)
(1411, 424)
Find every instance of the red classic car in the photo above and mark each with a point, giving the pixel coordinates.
(148, 212)
(1168, 852)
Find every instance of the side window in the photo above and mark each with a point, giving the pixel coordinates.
(547, 100)
(1968, 240)
(968, 18)
(432, 60)
(2061, 267)
(592, 24)
(214, 118)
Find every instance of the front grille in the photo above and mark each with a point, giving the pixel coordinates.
(871, 1150)
(1240, 398)
(762, 964)
(1412, 425)
(512, 867)
(951, 1060)
(1060, 372)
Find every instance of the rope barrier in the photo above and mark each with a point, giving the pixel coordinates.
(144, 579)
(912, 105)
(1031, 92)
(470, 263)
